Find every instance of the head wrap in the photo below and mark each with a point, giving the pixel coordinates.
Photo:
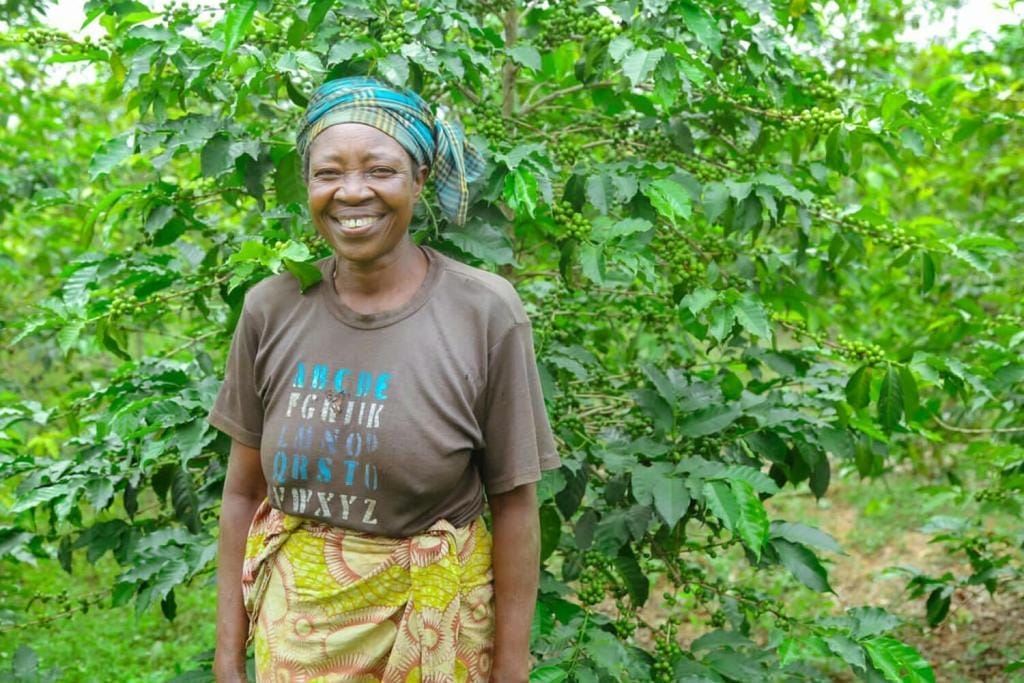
(405, 116)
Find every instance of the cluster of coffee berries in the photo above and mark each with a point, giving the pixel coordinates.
(713, 244)
(816, 118)
(744, 99)
(869, 354)
(685, 266)
(625, 625)
(890, 235)
(992, 495)
(636, 425)
(42, 37)
(269, 35)
(568, 424)
(393, 39)
(61, 43)
(567, 21)
(177, 13)
(799, 327)
(666, 652)
(704, 171)
(566, 152)
(486, 120)
(818, 86)
(575, 224)
(597, 576)
(708, 447)
(648, 136)
(123, 305)
(893, 236)
(410, 5)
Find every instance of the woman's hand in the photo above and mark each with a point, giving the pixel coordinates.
(516, 559)
(244, 489)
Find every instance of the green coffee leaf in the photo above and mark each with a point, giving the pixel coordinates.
(890, 400)
(709, 420)
(898, 662)
(640, 63)
(803, 564)
(752, 317)
(483, 241)
(752, 526)
(702, 26)
(548, 674)
(802, 534)
(858, 388)
(306, 273)
(236, 23)
(110, 154)
(670, 199)
(722, 502)
(288, 182)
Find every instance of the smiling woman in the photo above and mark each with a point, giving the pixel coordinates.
(351, 539)
(362, 189)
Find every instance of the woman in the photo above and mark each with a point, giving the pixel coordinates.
(368, 418)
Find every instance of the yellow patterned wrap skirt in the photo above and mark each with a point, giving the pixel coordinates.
(330, 604)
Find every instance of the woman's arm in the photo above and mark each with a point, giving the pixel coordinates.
(516, 559)
(244, 489)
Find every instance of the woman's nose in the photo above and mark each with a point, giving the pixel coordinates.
(352, 188)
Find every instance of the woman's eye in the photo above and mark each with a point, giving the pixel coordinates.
(381, 172)
(325, 173)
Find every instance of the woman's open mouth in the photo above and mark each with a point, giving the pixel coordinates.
(355, 227)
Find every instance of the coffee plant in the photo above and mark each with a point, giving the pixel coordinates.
(756, 253)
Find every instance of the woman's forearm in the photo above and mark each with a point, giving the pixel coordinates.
(232, 621)
(516, 559)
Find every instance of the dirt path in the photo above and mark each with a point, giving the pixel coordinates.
(978, 638)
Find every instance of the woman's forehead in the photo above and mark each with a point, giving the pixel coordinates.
(355, 141)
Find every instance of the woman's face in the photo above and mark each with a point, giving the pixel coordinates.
(362, 189)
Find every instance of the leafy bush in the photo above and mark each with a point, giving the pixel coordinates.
(753, 252)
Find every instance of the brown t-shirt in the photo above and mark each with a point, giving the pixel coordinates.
(386, 423)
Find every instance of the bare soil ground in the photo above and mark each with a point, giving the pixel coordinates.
(979, 637)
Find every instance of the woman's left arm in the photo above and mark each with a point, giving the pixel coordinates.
(516, 559)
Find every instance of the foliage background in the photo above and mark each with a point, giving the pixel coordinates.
(765, 246)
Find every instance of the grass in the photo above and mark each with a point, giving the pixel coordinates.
(103, 643)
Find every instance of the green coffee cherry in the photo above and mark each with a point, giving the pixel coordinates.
(574, 224)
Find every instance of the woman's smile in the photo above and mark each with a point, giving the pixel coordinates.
(355, 227)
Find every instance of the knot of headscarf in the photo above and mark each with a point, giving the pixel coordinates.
(405, 116)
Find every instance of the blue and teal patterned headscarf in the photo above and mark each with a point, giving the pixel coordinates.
(403, 115)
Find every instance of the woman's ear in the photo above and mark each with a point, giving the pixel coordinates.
(419, 179)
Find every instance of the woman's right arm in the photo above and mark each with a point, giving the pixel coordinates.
(244, 489)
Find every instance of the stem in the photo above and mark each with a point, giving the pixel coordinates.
(509, 69)
(579, 641)
(972, 430)
(565, 91)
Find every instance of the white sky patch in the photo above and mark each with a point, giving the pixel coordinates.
(981, 16)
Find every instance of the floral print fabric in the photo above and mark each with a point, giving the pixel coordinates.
(330, 604)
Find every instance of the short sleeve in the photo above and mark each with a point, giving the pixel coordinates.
(238, 409)
(518, 443)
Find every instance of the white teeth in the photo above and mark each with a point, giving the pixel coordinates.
(355, 222)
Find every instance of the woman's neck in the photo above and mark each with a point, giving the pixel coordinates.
(384, 284)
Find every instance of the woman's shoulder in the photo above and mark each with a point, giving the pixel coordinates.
(486, 292)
